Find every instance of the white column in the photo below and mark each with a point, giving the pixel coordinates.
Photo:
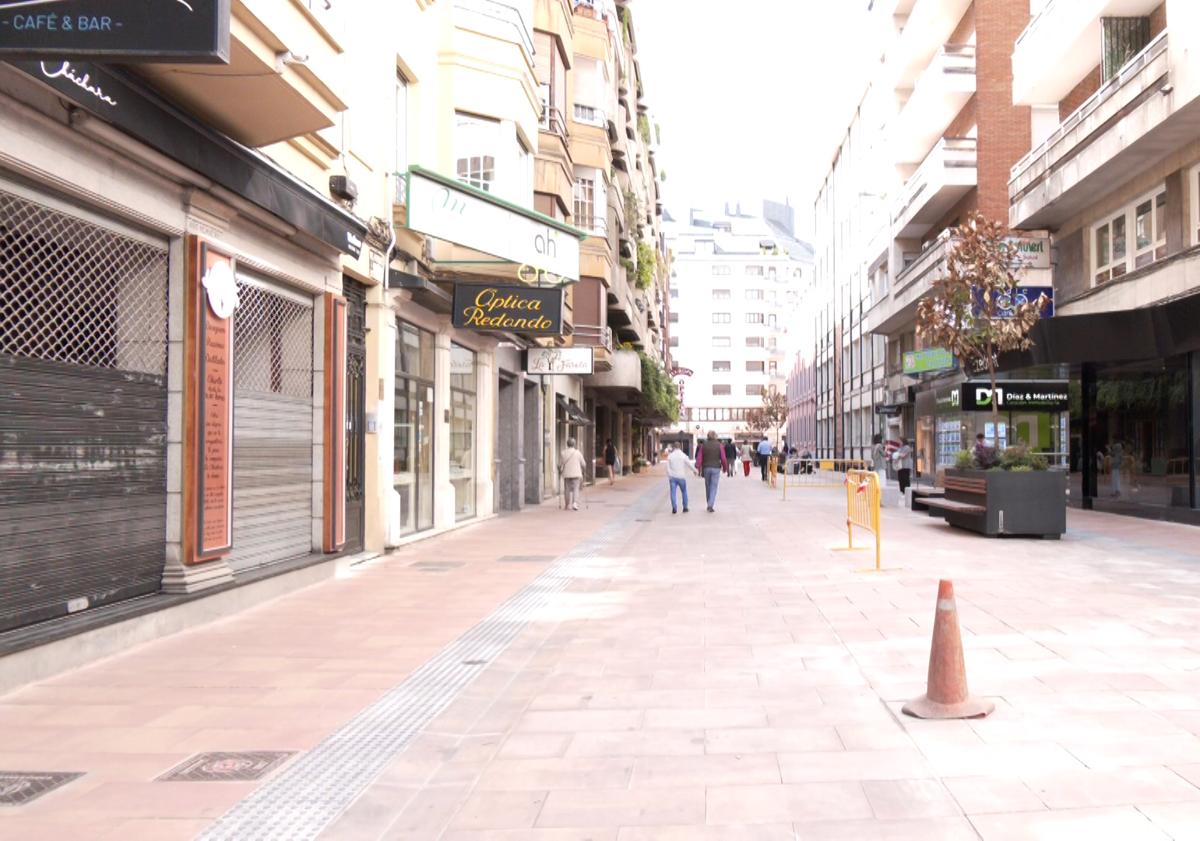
(380, 501)
(485, 432)
(443, 490)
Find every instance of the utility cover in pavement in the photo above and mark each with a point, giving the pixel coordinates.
(526, 559)
(19, 787)
(226, 767)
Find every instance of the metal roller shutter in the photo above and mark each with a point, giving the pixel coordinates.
(83, 419)
(272, 425)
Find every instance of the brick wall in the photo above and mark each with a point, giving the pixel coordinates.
(1158, 20)
(1087, 86)
(1004, 130)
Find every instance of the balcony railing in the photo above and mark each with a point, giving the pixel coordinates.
(594, 336)
(930, 258)
(590, 115)
(504, 14)
(1089, 106)
(553, 122)
(595, 225)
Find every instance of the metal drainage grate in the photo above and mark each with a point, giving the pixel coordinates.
(20, 787)
(222, 767)
(525, 559)
(303, 799)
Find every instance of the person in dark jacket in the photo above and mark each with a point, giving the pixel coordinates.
(610, 460)
(710, 463)
(730, 456)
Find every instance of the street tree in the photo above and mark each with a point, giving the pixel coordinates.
(774, 410)
(973, 310)
(757, 422)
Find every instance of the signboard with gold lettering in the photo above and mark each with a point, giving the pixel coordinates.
(526, 310)
(212, 298)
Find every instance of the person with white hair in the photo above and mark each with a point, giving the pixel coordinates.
(571, 466)
(679, 467)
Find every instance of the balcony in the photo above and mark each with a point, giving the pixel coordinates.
(929, 24)
(600, 339)
(1061, 46)
(946, 175)
(284, 78)
(899, 309)
(939, 94)
(623, 379)
(1125, 127)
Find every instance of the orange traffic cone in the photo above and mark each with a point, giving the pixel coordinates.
(946, 694)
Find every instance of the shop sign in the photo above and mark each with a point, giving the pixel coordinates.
(677, 371)
(1015, 396)
(1026, 295)
(565, 360)
(889, 410)
(948, 402)
(931, 359)
(116, 31)
(508, 309)
(443, 208)
(1032, 252)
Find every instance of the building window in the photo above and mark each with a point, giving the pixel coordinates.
(773, 369)
(476, 141)
(721, 318)
(1195, 191)
(462, 430)
(720, 341)
(754, 367)
(674, 342)
(1133, 237)
(401, 135)
(674, 292)
(722, 366)
(755, 341)
(719, 390)
(754, 271)
(585, 203)
(754, 318)
(722, 271)
(772, 343)
(673, 318)
(754, 390)
(754, 294)
(721, 294)
(551, 71)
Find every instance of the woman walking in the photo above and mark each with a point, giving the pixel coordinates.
(747, 459)
(571, 466)
(610, 460)
(903, 459)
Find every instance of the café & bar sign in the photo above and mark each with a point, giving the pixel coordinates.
(116, 31)
(509, 309)
(559, 360)
(454, 212)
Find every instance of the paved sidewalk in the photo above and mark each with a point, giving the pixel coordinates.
(699, 676)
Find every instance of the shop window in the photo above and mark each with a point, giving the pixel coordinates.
(462, 430)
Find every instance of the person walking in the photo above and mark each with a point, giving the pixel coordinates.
(710, 463)
(610, 460)
(679, 467)
(879, 461)
(730, 457)
(571, 466)
(903, 458)
(764, 453)
(747, 459)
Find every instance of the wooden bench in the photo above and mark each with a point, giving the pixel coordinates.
(974, 489)
(921, 494)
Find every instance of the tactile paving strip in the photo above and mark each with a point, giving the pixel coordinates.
(311, 792)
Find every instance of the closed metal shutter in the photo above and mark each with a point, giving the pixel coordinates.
(83, 412)
(272, 425)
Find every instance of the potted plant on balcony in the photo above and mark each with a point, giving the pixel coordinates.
(969, 312)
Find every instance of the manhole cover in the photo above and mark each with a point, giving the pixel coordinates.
(226, 767)
(526, 559)
(643, 520)
(19, 787)
(474, 662)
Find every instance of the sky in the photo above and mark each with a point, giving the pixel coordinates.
(752, 96)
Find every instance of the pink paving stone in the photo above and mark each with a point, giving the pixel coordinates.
(573, 834)
(904, 799)
(813, 766)
(713, 769)
(645, 807)
(1079, 789)
(499, 810)
(748, 804)
(534, 745)
(770, 740)
(752, 832)
(558, 773)
(1179, 820)
(922, 829)
(984, 795)
(1113, 824)
(638, 743)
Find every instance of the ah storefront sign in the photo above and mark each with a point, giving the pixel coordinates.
(565, 360)
(448, 210)
(1015, 396)
(509, 309)
(116, 31)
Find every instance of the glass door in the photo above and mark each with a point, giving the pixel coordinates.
(424, 460)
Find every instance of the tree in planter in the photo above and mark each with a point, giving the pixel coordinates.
(756, 422)
(775, 411)
(971, 312)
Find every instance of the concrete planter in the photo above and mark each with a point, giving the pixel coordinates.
(1030, 503)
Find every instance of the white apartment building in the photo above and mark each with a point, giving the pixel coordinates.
(735, 293)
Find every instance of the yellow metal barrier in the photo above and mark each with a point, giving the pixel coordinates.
(818, 473)
(772, 469)
(862, 506)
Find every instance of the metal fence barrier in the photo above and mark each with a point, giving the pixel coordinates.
(818, 472)
(862, 507)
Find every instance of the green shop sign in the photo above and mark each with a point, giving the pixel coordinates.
(923, 361)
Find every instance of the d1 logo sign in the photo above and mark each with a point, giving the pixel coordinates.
(983, 397)
(221, 286)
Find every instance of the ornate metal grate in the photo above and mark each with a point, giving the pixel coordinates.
(72, 291)
(272, 343)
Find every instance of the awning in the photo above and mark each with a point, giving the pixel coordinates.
(457, 213)
(120, 100)
(425, 292)
(574, 415)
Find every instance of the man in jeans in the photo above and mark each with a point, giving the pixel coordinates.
(710, 463)
(764, 453)
(679, 467)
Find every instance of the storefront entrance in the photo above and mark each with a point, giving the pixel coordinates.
(412, 473)
(356, 395)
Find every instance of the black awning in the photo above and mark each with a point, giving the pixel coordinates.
(129, 105)
(1155, 332)
(575, 416)
(425, 293)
